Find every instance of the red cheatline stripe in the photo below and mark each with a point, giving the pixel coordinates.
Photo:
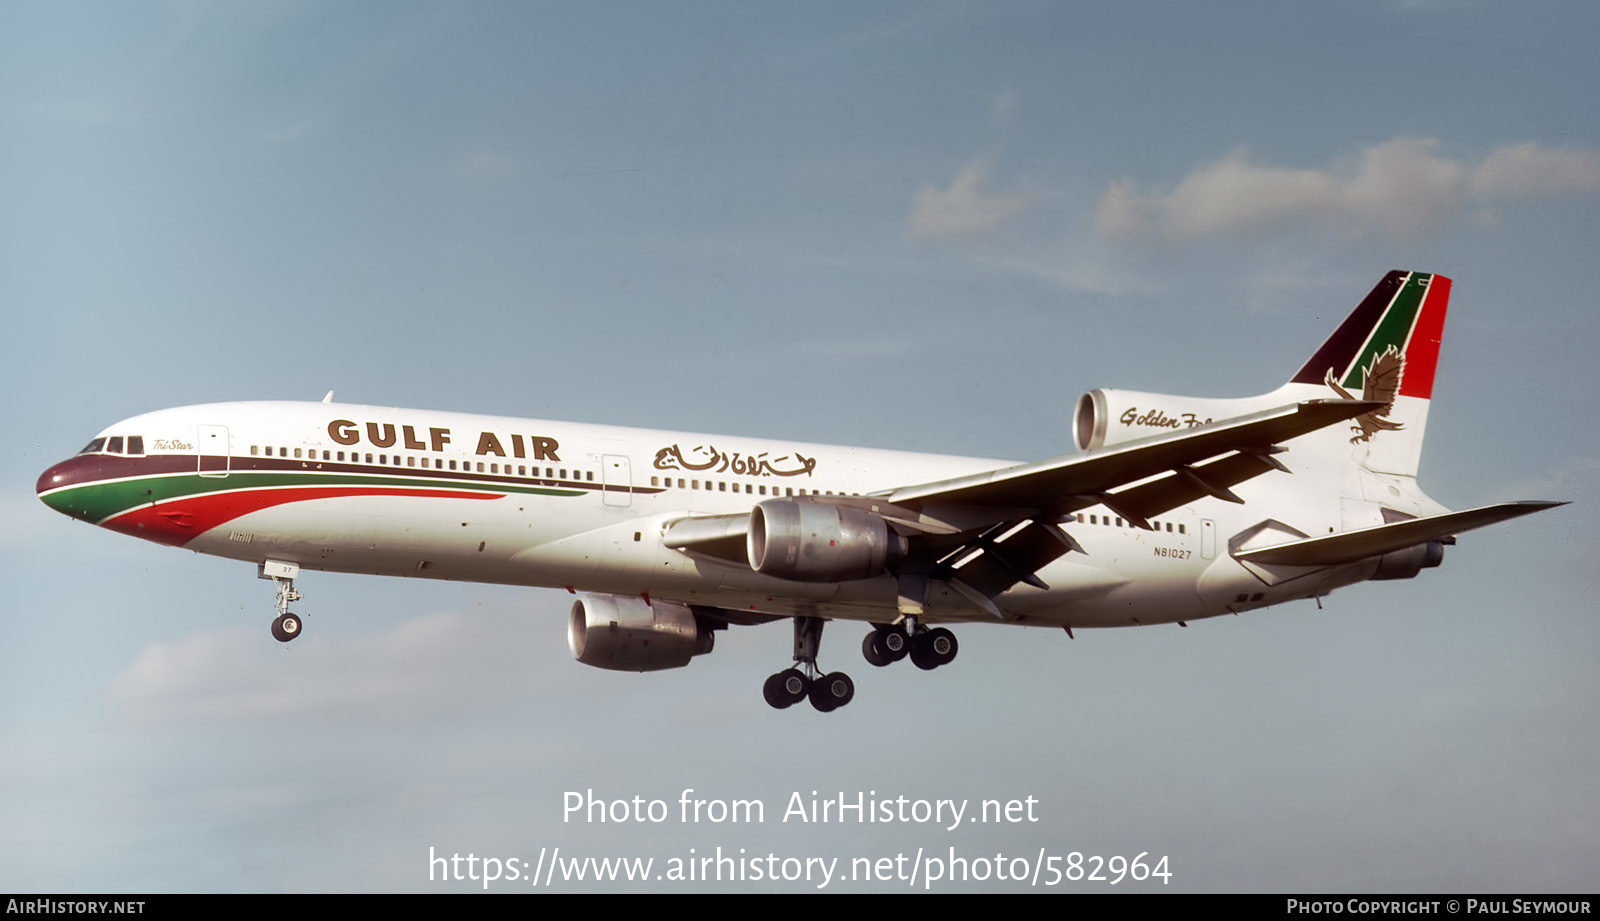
(178, 521)
(1422, 351)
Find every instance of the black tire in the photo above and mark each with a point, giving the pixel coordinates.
(793, 685)
(942, 643)
(894, 643)
(871, 652)
(832, 691)
(285, 627)
(773, 692)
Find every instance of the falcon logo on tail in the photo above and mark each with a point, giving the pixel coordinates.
(1381, 381)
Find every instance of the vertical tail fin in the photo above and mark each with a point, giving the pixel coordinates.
(1387, 349)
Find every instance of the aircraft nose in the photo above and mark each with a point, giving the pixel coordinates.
(48, 480)
(51, 492)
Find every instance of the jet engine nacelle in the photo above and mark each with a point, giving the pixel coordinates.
(815, 542)
(629, 634)
(1405, 564)
(1108, 417)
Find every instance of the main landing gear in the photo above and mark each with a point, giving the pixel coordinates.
(928, 649)
(286, 626)
(827, 692)
(886, 644)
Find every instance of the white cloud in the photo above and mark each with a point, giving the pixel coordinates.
(1402, 186)
(964, 207)
(1526, 169)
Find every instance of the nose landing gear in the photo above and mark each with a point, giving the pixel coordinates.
(286, 626)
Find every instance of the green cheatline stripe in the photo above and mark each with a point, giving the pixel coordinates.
(101, 500)
(1393, 329)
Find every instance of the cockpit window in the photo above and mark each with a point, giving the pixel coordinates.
(94, 447)
(114, 444)
(135, 444)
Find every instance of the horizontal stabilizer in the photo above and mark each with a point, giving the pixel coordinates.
(1332, 549)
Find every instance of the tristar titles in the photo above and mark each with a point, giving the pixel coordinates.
(388, 435)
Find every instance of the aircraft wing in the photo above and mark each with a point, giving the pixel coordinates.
(1185, 458)
(1020, 506)
(984, 533)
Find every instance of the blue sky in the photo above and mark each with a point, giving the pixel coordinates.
(919, 226)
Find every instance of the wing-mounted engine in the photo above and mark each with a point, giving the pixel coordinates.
(1108, 417)
(816, 542)
(629, 634)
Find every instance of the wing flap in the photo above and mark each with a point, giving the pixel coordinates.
(1006, 554)
(1148, 500)
(1349, 546)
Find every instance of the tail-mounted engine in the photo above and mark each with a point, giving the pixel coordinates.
(1406, 563)
(815, 542)
(629, 634)
(1108, 417)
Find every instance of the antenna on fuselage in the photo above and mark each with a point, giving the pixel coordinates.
(328, 398)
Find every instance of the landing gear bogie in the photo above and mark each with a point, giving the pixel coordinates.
(827, 692)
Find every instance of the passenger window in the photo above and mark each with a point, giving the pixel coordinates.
(1180, 529)
(452, 465)
(296, 453)
(480, 466)
(382, 458)
(253, 450)
(589, 475)
(722, 486)
(283, 452)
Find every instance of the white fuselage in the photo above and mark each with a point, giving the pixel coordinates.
(584, 507)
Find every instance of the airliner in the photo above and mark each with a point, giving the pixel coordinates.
(1173, 509)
